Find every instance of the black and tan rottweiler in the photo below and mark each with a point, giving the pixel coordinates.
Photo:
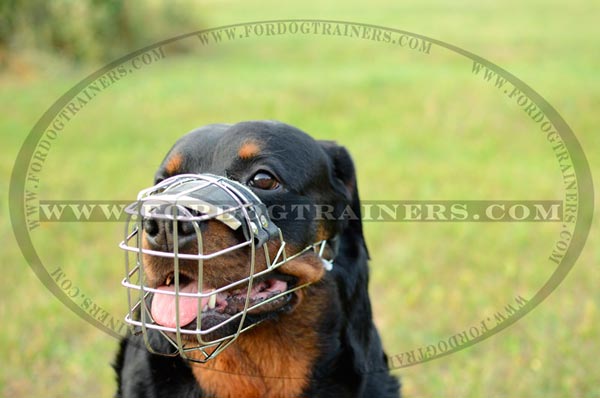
(321, 342)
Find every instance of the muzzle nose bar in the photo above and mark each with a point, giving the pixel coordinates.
(213, 199)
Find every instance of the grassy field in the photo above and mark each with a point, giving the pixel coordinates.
(420, 127)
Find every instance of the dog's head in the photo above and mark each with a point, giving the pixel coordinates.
(205, 278)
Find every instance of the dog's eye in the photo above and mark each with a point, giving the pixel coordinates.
(264, 180)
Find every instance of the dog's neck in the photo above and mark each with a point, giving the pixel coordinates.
(274, 359)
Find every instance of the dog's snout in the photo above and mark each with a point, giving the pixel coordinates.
(159, 231)
(151, 227)
(185, 228)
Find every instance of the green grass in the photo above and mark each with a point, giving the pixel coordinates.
(419, 127)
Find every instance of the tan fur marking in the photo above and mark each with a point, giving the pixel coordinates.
(248, 150)
(282, 351)
(174, 163)
(322, 232)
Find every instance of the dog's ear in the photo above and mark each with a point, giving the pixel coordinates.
(343, 180)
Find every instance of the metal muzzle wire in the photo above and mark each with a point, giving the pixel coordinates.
(194, 199)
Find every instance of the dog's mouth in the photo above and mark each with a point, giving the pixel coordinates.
(266, 299)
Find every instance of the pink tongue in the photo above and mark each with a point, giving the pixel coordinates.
(163, 306)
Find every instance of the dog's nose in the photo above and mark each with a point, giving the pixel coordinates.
(159, 231)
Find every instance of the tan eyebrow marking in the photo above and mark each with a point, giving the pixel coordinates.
(248, 150)
(174, 163)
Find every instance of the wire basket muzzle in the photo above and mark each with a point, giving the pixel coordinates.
(182, 204)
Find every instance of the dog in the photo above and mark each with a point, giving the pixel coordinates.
(320, 341)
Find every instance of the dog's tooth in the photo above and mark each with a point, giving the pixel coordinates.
(205, 308)
(212, 301)
(168, 281)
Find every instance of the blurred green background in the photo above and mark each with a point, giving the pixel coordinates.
(419, 127)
